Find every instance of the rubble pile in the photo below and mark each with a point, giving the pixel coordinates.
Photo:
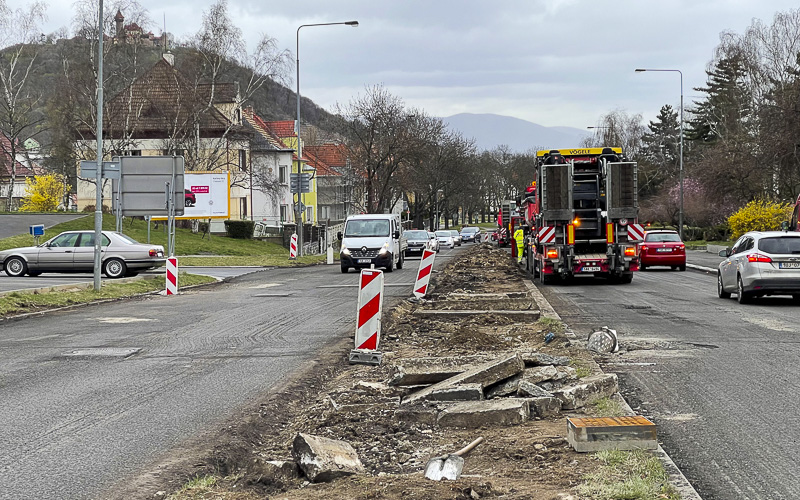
(444, 381)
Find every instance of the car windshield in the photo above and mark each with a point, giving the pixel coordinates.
(657, 237)
(779, 245)
(443, 234)
(367, 227)
(470, 230)
(417, 235)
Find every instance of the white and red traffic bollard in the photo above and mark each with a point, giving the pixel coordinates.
(368, 318)
(172, 276)
(424, 273)
(293, 247)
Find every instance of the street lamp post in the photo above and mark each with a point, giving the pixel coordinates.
(680, 212)
(298, 206)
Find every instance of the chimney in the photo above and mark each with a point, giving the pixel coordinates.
(169, 57)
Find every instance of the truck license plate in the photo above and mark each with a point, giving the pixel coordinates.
(590, 269)
(364, 261)
(789, 265)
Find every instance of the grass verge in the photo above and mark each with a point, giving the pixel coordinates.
(27, 302)
(186, 242)
(628, 475)
(254, 260)
(550, 325)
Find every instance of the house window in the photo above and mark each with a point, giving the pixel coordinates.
(325, 212)
(243, 211)
(242, 159)
(133, 152)
(310, 214)
(283, 174)
(284, 213)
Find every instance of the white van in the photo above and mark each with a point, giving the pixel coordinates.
(373, 239)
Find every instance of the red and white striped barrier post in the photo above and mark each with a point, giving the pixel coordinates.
(635, 232)
(424, 273)
(293, 247)
(172, 276)
(368, 318)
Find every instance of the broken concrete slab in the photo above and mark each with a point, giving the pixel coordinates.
(463, 392)
(544, 407)
(322, 459)
(589, 389)
(498, 412)
(379, 389)
(418, 371)
(566, 373)
(417, 414)
(533, 358)
(453, 315)
(540, 374)
(503, 388)
(611, 433)
(527, 388)
(485, 374)
(490, 301)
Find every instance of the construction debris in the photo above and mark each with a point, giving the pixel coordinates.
(472, 415)
(322, 459)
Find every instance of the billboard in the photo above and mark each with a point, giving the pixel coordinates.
(141, 188)
(207, 195)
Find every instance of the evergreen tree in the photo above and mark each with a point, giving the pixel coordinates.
(726, 110)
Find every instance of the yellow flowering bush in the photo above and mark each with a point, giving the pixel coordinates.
(759, 215)
(44, 193)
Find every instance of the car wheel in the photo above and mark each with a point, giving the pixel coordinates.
(720, 290)
(131, 274)
(400, 262)
(16, 267)
(187, 203)
(114, 268)
(744, 297)
(682, 267)
(345, 269)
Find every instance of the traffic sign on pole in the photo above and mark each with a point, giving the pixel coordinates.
(424, 273)
(368, 318)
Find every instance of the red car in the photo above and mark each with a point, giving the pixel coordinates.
(662, 248)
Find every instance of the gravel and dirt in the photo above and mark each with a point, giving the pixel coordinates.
(531, 460)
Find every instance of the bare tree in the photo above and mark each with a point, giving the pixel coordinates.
(19, 31)
(379, 143)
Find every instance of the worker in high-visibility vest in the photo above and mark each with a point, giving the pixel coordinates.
(519, 236)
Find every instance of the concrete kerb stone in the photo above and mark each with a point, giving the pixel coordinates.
(474, 414)
(588, 390)
(486, 374)
(322, 459)
(430, 370)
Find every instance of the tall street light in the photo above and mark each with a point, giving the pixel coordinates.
(680, 213)
(298, 212)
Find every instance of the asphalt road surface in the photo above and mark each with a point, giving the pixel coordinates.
(718, 378)
(46, 280)
(100, 393)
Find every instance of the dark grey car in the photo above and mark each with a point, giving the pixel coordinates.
(73, 252)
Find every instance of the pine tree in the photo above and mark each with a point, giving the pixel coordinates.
(660, 159)
(727, 109)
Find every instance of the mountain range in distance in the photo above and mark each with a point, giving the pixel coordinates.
(490, 131)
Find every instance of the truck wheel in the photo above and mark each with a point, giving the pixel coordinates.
(625, 278)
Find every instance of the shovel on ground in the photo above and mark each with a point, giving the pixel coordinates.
(449, 466)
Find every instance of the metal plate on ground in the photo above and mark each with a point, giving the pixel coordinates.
(103, 352)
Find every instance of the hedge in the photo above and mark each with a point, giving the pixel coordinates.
(240, 229)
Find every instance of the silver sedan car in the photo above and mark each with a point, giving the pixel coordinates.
(73, 252)
(761, 263)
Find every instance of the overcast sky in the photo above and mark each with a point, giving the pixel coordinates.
(552, 62)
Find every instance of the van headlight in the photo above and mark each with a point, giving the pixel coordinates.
(384, 250)
(345, 251)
